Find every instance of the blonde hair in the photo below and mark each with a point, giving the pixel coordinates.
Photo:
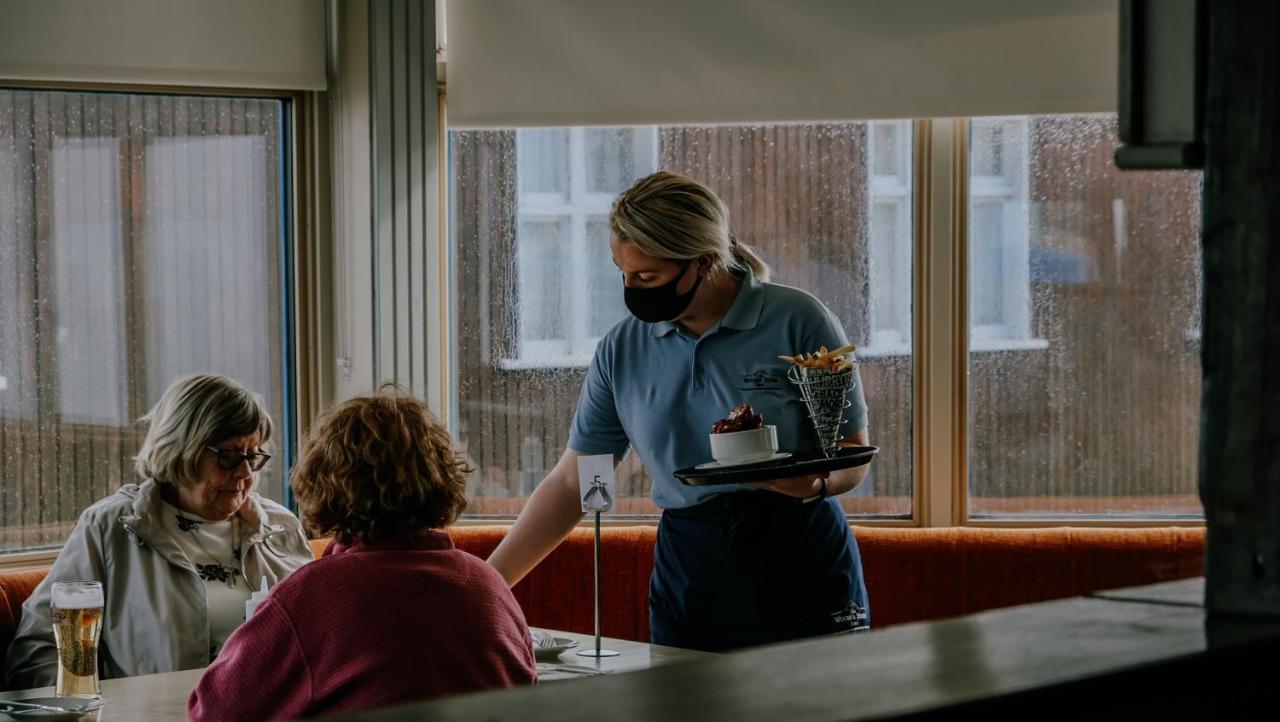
(193, 413)
(677, 218)
(379, 467)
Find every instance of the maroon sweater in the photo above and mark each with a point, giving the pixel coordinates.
(367, 626)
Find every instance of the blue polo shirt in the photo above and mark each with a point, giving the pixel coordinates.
(657, 389)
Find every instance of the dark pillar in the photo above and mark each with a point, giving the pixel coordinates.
(1240, 412)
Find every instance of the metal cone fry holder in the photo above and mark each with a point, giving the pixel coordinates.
(826, 395)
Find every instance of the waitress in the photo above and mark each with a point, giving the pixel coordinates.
(735, 565)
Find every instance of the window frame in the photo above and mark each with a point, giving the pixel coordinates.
(950, 496)
(940, 190)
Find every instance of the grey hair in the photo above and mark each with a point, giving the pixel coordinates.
(194, 412)
(677, 218)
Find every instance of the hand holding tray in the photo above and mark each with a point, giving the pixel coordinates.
(809, 462)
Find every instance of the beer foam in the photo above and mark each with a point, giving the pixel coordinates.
(77, 597)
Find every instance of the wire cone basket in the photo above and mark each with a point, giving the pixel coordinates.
(826, 395)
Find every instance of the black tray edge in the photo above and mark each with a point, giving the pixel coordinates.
(848, 458)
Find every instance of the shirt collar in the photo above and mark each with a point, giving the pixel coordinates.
(148, 506)
(428, 541)
(743, 314)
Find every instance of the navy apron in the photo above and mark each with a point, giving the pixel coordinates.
(750, 568)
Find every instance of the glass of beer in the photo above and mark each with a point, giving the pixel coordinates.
(76, 614)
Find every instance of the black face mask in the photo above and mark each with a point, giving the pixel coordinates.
(661, 303)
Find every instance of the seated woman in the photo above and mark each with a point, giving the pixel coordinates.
(391, 613)
(178, 553)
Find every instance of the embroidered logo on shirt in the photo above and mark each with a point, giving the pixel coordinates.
(760, 380)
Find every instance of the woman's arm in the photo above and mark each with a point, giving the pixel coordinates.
(846, 480)
(838, 482)
(553, 510)
(33, 658)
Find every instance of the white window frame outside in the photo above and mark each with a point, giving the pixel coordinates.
(576, 209)
(887, 337)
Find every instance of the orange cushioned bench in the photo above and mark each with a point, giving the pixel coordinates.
(912, 575)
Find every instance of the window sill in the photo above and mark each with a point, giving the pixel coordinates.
(547, 363)
(27, 561)
(978, 345)
(987, 345)
(883, 351)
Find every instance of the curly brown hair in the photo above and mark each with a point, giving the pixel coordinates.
(378, 467)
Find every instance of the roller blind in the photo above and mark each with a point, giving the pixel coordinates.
(276, 44)
(603, 62)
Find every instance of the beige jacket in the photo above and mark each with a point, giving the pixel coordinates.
(156, 616)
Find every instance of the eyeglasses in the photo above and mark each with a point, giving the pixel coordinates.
(230, 458)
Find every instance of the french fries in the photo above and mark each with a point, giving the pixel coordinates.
(824, 359)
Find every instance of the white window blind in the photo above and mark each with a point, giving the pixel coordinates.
(619, 62)
(230, 43)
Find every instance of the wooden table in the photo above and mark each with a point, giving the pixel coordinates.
(1145, 653)
(162, 697)
(150, 697)
(633, 656)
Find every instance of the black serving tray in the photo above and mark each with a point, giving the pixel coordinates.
(809, 462)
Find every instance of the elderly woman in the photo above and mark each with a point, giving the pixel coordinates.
(178, 553)
(391, 613)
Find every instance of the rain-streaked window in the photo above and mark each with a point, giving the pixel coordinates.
(140, 240)
(1084, 370)
(828, 206)
(999, 226)
(1083, 375)
(568, 179)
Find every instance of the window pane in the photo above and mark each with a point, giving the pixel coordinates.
(140, 240)
(542, 260)
(990, 138)
(610, 159)
(889, 152)
(88, 269)
(800, 194)
(544, 161)
(986, 239)
(17, 263)
(607, 307)
(890, 310)
(1095, 409)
